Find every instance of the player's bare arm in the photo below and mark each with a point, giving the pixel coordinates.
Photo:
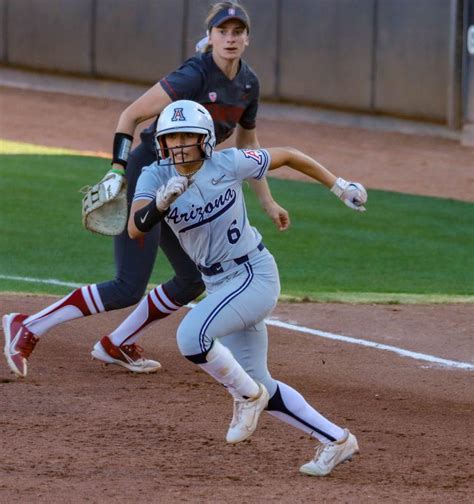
(247, 139)
(149, 105)
(297, 160)
(352, 194)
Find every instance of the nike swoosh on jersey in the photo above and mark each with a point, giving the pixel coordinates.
(217, 180)
(143, 219)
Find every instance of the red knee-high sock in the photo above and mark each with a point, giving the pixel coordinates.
(82, 302)
(155, 306)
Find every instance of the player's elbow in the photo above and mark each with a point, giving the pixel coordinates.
(292, 153)
(282, 156)
(133, 231)
(135, 234)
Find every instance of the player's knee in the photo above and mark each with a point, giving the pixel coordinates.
(188, 340)
(184, 291)
(119, 293)
(194, 290)
(131, 293)
(133, 298)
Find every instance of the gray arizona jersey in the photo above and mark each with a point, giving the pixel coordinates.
(210, 218)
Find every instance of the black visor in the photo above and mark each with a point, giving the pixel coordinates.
(229, 13)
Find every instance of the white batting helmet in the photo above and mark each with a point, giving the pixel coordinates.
(188, 117)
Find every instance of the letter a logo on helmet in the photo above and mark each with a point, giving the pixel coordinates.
(178, 115)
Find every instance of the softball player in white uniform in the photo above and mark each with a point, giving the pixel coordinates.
(199, 194)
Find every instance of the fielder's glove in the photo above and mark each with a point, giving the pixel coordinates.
(168, 193)
(104, 206)
(352, 194)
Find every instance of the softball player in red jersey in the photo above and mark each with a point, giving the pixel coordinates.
(198, 192)
(229, 89)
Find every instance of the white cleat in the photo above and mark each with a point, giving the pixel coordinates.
(128, 356)
(246, 415)
(328, 456)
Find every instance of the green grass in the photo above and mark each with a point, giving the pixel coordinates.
(403, 249)
(403, 244)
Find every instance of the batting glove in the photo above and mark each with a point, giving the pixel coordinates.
(168, 193)
(352, 194)
(112, 183)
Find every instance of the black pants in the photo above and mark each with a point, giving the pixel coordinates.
(134, 259)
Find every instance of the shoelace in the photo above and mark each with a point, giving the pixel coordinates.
(320, 450)
(238, 408)
(134, 351)
(27, 344)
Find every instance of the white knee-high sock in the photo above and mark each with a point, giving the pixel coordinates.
(82, 302)
(156, 305)
(223, 367)
(289, 406)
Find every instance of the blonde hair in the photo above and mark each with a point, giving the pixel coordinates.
(213, 10)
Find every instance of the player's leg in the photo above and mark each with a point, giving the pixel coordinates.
(202, 346)
(134, 259)
(238, 301)
(120, 346)
(22, 332)
(250, 347)
(166, 298)
(336, 444)
(134, 262)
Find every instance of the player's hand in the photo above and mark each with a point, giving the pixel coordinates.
(278, 214)
(168, 193)
(352, 194)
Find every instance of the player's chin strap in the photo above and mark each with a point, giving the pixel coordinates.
(171, 160)
(166, 155)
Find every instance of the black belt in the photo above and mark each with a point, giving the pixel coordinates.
(217, 268)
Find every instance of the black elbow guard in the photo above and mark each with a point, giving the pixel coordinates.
(148, 216)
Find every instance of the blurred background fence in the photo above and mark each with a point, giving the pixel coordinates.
(406, 58)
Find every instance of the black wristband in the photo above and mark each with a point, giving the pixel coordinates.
(121, 150)
(148, 216)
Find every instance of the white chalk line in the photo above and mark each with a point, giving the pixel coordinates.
(306, 330)
(372, 344)
(49, 281)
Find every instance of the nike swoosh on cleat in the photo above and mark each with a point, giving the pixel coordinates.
(13, 343)
(331, 459)
(12, 350)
